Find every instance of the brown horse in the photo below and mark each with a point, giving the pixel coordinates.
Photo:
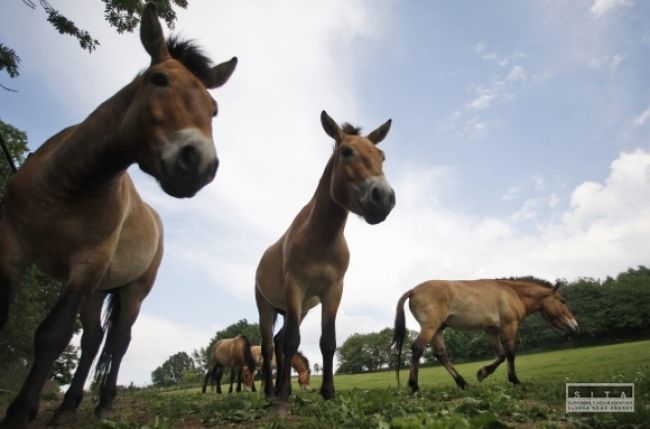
(306, 265)
(496, 306)
(299, 363)
(233, 353)
(73, 210)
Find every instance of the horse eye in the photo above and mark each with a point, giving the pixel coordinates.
(159, 79)
(346, 152)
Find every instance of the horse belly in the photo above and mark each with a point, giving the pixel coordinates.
(468, 321)
(135, 252)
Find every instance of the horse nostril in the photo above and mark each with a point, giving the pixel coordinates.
(188, 158)
(376, 195)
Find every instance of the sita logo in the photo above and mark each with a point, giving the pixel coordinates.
(599, 397)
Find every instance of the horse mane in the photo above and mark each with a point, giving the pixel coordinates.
(530, 279)
(191, 56)
(350, 129)
(304, 359)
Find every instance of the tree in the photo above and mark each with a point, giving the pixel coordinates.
(173, 371)
(123, 15)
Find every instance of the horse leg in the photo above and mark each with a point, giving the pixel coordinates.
(52, 336)
(291, 341)
(330, 306)
(91, 339)
(208, 376)
(509, 336)
(267, 318)
(12, 265)
(278, 350)
(417, 349)
(495, 342)
(130, 299)
(218, 374)
(440, 353)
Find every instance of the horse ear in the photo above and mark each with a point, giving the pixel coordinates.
(380, 133)
(220, 73)
(151, 34)
(556, 287)
(330, 126)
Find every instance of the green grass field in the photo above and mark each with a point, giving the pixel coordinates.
(375, 401)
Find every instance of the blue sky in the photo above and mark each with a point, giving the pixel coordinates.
(520, 144)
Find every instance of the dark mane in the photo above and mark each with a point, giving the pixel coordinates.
(192, 57)
(350, 129)
(530, 279)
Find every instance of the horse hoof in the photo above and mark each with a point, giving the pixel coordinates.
(63, 418)
(103, 413)
(462, 383)
(481, 374)
(514, 380)
(280, 410)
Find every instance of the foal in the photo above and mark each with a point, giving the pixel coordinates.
(73, 210)
(306, 265)
(496, 306)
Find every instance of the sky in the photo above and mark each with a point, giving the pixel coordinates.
(520, 144)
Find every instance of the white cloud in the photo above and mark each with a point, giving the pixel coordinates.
(601, 7)
(512, 192)
(642, 118)
(516, 74)
(610, 63)
(483, 101)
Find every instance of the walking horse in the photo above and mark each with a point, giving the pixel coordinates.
(73, 210)
(496, 306)
(234, 353)
(299, 363)
(307, 264)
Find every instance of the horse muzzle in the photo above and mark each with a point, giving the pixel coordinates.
(190, 163)
(571, 327)
(377, 199)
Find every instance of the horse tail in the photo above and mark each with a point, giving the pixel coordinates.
(248, 356)
(111, 315)
(399, 332)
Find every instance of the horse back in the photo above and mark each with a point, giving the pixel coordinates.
(465, 304)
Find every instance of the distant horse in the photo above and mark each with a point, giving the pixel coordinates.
(73, 210)
(306, 265)
(496, 306)
(233, 353)
(299, 363)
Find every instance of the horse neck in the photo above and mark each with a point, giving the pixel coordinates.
(326, 217)
(91, 157)
(531, 295)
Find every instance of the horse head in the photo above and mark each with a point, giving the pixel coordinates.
(556, 312)
(167, 127)
(358, 181)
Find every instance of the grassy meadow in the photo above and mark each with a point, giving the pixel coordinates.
(375, 401)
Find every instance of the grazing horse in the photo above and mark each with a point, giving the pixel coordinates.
(233, 353)
(496, 306)
(299, 363)
(306, 265)
(73, 210)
